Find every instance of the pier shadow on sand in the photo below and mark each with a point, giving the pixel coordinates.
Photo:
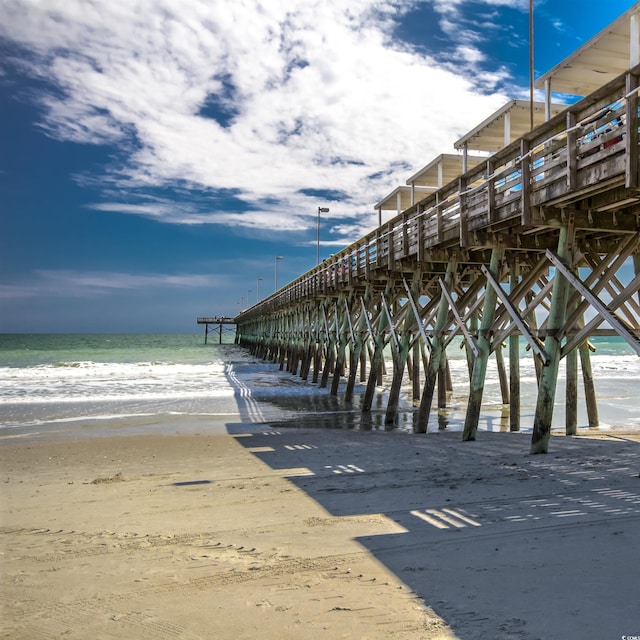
(499, 543)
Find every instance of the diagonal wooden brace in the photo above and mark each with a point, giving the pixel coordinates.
(515, 316)
(606, 311)
(459, 320)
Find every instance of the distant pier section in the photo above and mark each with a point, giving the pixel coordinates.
(216, 324)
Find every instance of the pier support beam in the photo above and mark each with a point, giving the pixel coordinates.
(376, 358)
(514, 362)
(553, 348)
(342, 323)
(502, 373)
(437, 354)
(330, 354)
(571, 404)
(321, 330)
(402, 354)
(476, 386)
(636, 268)
(589, 387)
(415, 376)
(473, 330)
(307, 342)
(357, 351)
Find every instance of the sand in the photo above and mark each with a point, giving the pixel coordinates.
(300, 533)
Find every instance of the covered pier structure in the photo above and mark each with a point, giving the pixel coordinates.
(533, 242)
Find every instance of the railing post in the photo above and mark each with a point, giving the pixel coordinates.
(405, 235)
(391, 254)
(439, 218)
(491, 191)
(464, 218)
(572, 152)
(631, 146)
(420, 221)
(525, 180)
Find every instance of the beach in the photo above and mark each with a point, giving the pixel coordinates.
(316, 533)
(157, 488)
(188, 536)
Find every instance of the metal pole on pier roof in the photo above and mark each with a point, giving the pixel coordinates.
(531, 71)
(276, 281)
(258, 281)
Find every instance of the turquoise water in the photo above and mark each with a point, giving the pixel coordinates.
(48, 379)
(27, 350)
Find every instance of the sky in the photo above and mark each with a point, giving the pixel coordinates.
(157, 156)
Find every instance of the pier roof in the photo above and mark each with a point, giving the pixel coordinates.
(442, 170)
(400, 198)
(434, 175)
(603, 58)
(505, 125)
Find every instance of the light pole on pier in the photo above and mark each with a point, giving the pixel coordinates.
(320, 210)
(258, 290)
(248, 297)
(276, 283)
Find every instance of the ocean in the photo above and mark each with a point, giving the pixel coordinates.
(75, 385)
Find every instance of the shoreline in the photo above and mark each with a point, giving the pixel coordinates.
(309, 533)
(492, 420)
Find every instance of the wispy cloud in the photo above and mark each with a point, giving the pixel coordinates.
(73, 284)
(275, 102)
(470, 25)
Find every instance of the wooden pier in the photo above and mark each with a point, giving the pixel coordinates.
(219, 324)
(528, 244)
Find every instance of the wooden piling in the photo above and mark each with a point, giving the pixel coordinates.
(476, 385)
(357, 354)
(437, 351)
(376, 359)
(514, 362)
(400, 360)
(552, 346)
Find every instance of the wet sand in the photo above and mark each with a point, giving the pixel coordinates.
(310, 533)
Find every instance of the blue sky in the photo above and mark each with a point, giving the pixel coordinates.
(157, 155)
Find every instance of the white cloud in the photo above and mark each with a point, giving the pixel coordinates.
(73, 284)
(17, 291)
(151, 210)
(314, 93)
(453, 6)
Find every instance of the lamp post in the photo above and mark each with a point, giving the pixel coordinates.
(531, 64)
(276, 283)
(320, 210)
(258, 290)
(248, 297)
